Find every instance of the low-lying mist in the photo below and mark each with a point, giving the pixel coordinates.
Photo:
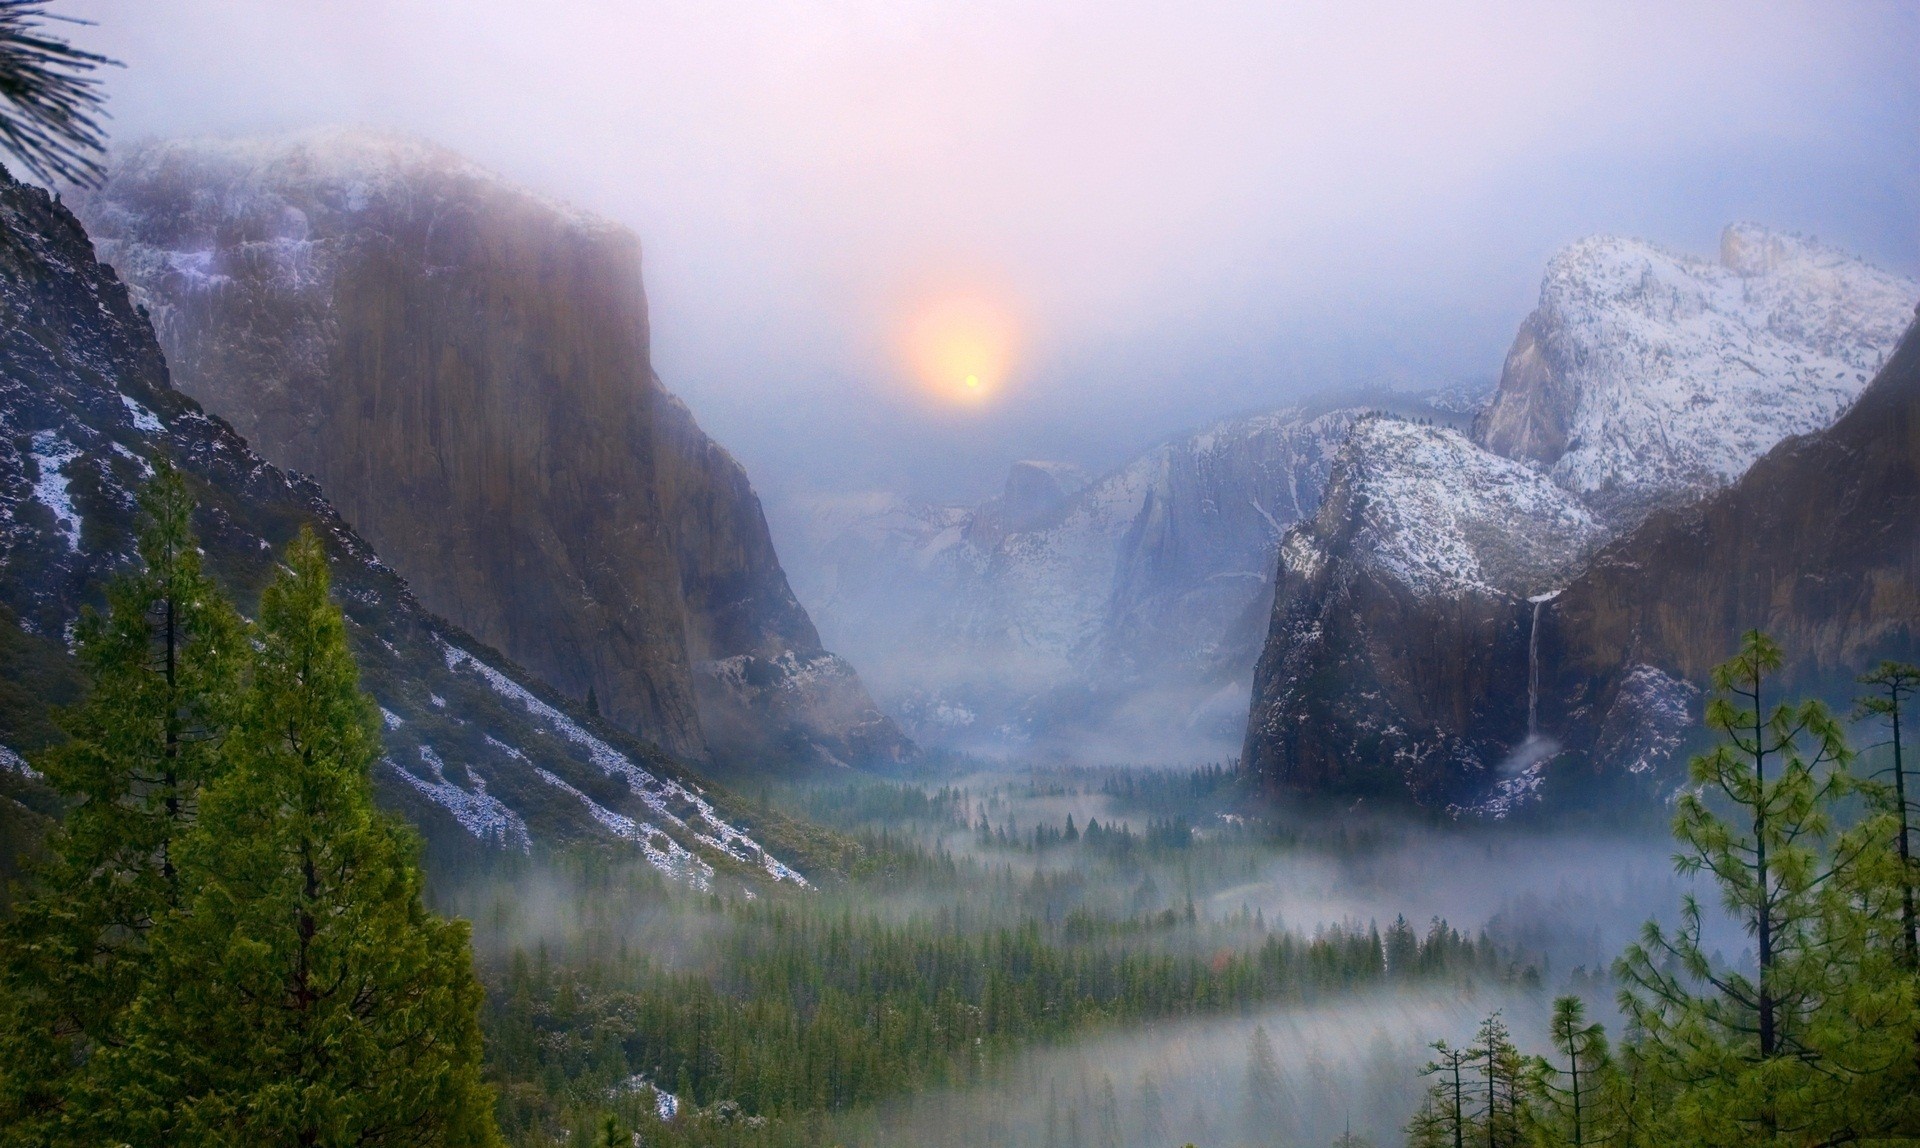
(1326, 1070)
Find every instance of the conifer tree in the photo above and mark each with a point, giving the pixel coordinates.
(1501, 1088)
(1747, 1049)
(302, 994)
(1893, 683)
(1442, 1120)
(164, 665)
(1263, 1109)
(1571, 1087)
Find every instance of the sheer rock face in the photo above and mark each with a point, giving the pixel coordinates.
(1400, 622)
(465, 369)
(1818, 544)
(1648, 379)
(479, 753)
(1644, 381)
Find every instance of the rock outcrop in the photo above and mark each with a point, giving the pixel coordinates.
(480, 753)
(1818, 544)
(465, 369)
(1401, 619)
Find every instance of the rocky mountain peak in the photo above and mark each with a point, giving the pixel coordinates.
(1647, 378)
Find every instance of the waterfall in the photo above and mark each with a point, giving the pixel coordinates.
(1533, 668)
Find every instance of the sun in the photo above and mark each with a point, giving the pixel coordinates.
(960, 348)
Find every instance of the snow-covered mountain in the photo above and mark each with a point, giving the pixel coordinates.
(1648, 378)
(1113, 617)
(1402, 654)
(1401, 611)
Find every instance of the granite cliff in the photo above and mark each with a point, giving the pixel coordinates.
(1644, 383)
(482, 755)
(464, 367)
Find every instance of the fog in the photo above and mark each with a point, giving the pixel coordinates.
(1174, 212)
(1354, 1065)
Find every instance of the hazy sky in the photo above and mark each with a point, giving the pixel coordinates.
(1144, 215)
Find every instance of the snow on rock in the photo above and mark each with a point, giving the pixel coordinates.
(477, 811)
(11, 761)
(143, 419)
(51, 454)
(1444, 517)
(663, 797)
(1647, 378)
(662, 851)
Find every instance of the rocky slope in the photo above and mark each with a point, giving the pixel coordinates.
(1818, 544)
(1118, 617)
(479, 753)
(1647, 379)
(1644, 380)
(1400, 624)
(465, 369)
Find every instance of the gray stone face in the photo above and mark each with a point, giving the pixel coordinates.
(465, 369)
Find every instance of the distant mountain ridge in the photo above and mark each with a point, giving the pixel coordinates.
(465, 368)
(1108, 618)
(1643, 383)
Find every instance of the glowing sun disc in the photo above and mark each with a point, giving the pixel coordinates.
(960, 348)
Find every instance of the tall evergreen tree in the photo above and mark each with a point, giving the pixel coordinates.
(1570, 1099)
(164, 665)
(1501, 1088)
(1442, 1120)
(302, 994)
(1746, 1048)
(1893, 683)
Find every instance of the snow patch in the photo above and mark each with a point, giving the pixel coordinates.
(51, 454)
(478, 812)
(658, 795)
(143, 419)
(11, 761)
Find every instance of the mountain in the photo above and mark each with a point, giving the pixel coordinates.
(480, 754)
(465, 369)
(1400, 608)
(1115, 618)
(1647, 378)
(1818, 544)
(1644, 382)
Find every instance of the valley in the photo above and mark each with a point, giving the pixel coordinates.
(1085, 655)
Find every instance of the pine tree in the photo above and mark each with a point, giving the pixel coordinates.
(50, 120)
(302, 994)
(1893, 683)
(164, 666)
(1442, 1120)
(1570, 1098)
(1743, 1052)
(1501, 1089)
